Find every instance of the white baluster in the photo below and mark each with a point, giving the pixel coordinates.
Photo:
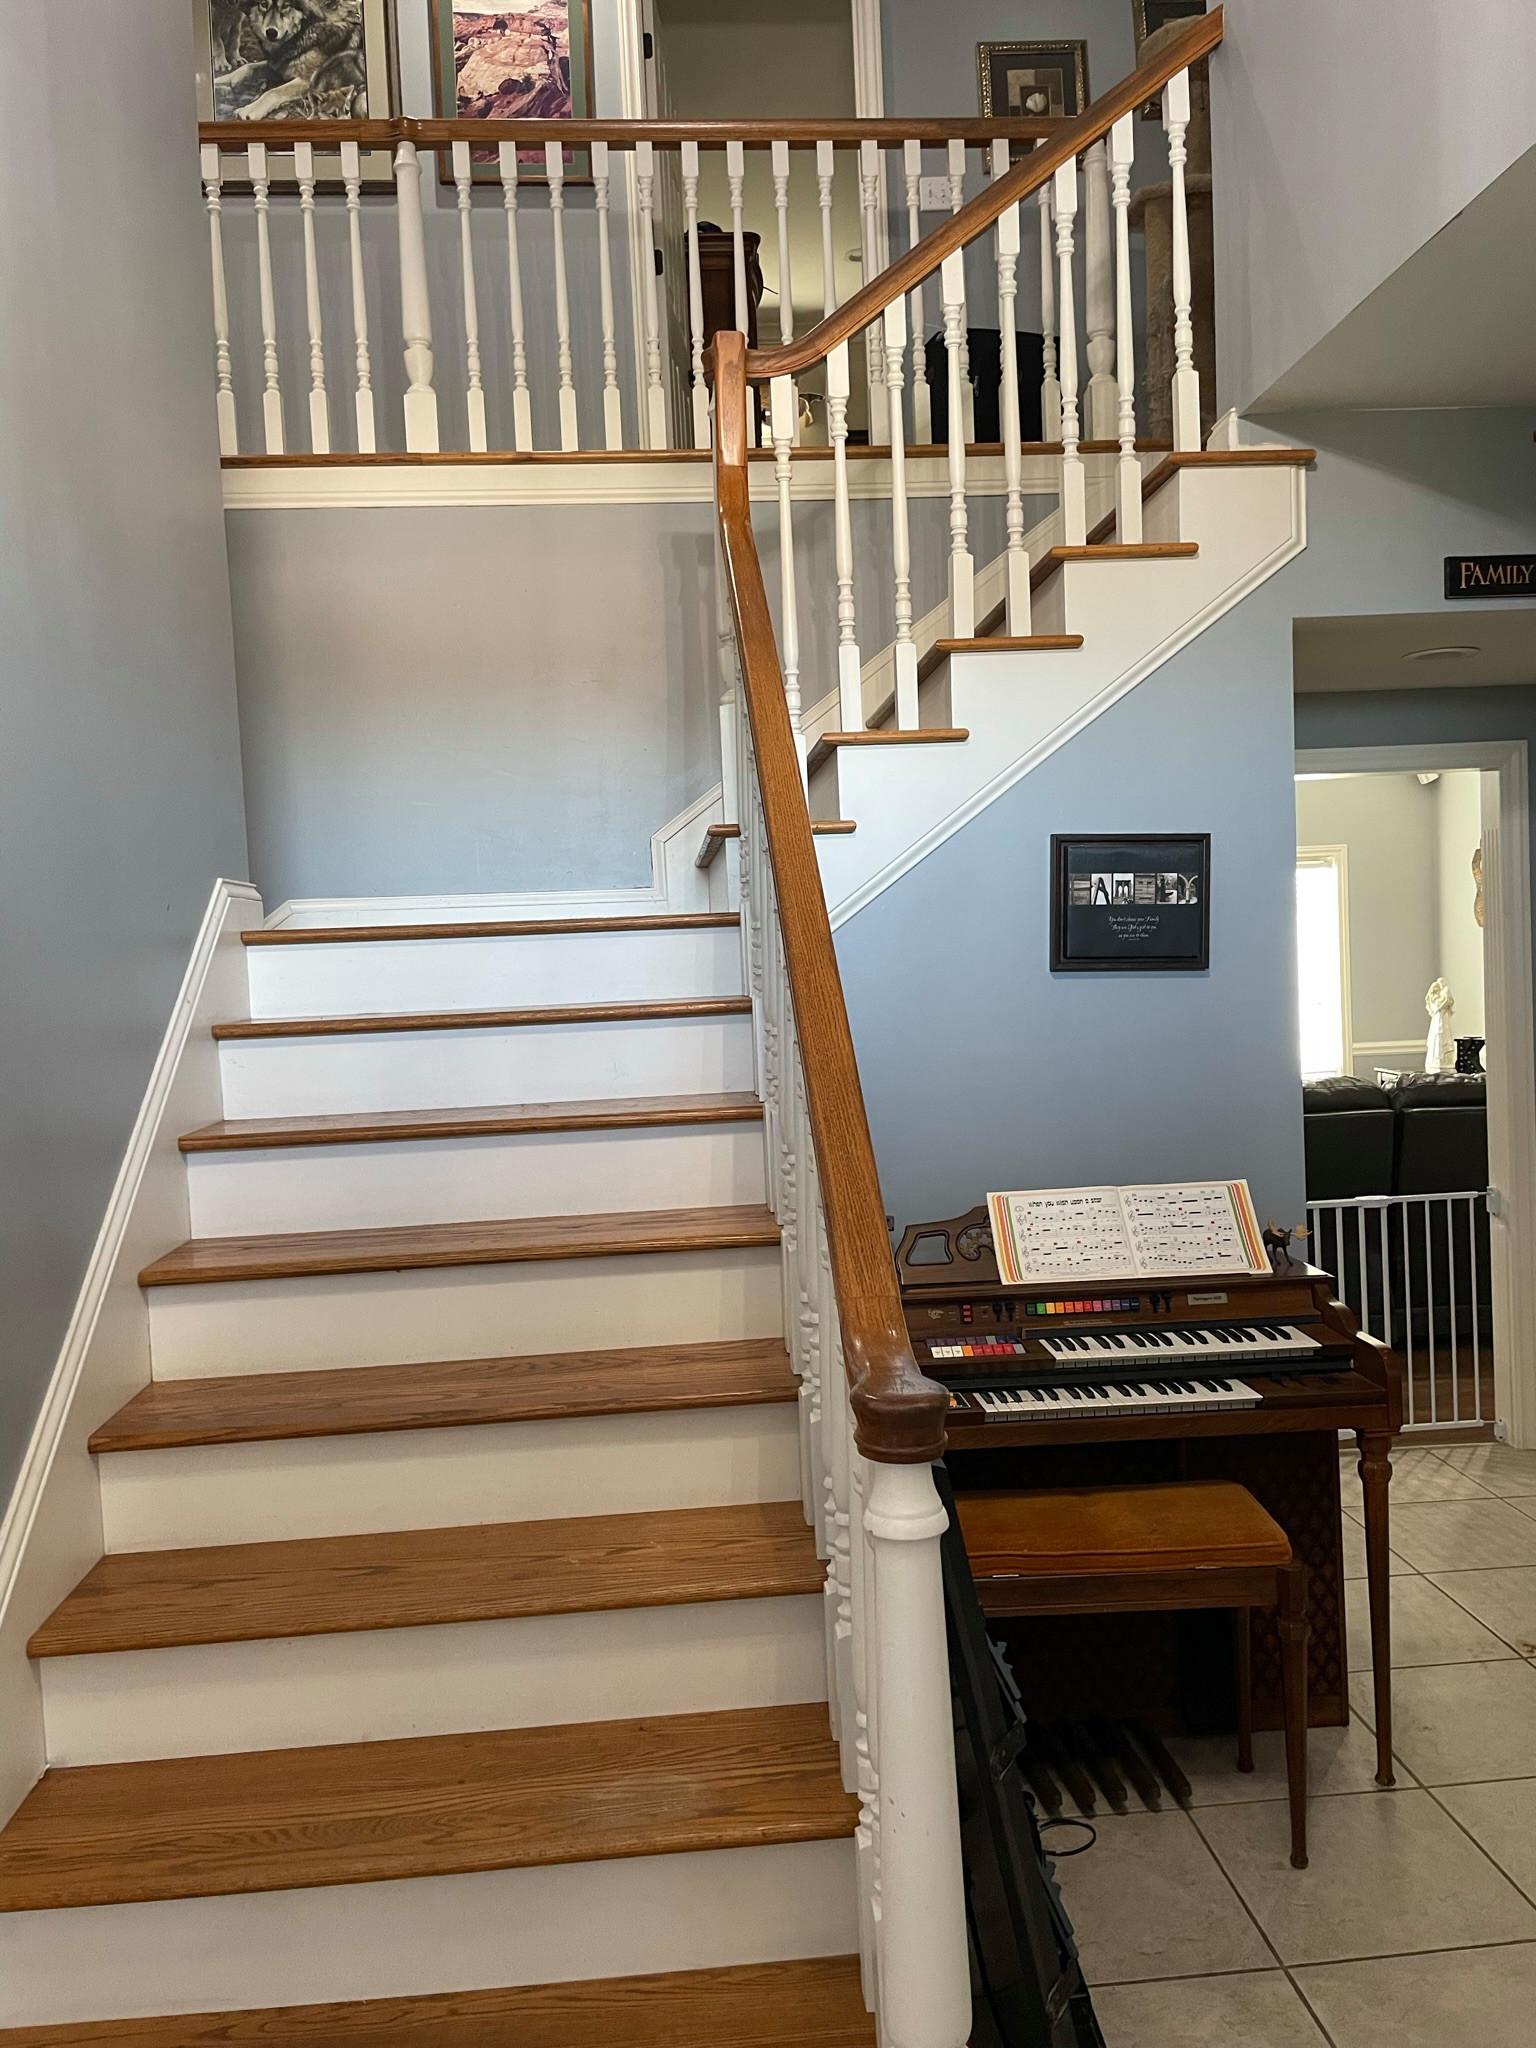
(1074, 501)
(922, 407)
(905, 651)
(1016, 568)
(554, 173)
(415, 306)
(735, 175)
(690, 164)
(1186, 378)
(1122, 151)
(271, 392)
(655, 393)
(613, 410)
(213, 175)
(1050, 387)
(850, 694)
(352, 182)
(883, 423)
(319, 412)
(924, 1977)
(962, 568)
(474, 390)
(826, 157)
(956, 201)
(522, 403)
(779, 152)
(1102, 398)
(781, 404)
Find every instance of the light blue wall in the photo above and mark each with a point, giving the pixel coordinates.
(983, 1070)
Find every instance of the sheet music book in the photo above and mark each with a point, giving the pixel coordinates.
(1131, 1233)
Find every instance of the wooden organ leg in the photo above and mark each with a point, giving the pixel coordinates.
(1375, 1475)
(1294, 1631)
(1242, 1633)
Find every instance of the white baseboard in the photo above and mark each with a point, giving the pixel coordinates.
(52, 1532)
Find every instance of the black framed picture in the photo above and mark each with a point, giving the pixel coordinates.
(1147, 17)
(1131, 900)
(1032, 81)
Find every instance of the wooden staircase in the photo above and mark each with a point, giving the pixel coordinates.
(455, 1669)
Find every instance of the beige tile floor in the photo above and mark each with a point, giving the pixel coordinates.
(1415, 1924)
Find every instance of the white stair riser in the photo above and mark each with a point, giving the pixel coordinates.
(576, 1920)
(464, 1312)
(465, 1069)
(449, 1478)
(463, 1180)
(381, 1685)
(493, 973)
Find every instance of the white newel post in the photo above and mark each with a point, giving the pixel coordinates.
(1186, 378)
(655, 393)
(850, 692)
(1074, 500)
(613, 410)
(1050, 386)
(884, 423)
(962, 568)
(1122, 153)
(905, 651)
(554, 177)
(1102, 407)
(271, 389)
(352, 184)
(1016, 568)
(922, 403)
(781, 414)
(415, 306)
(213, 177)
(690, 167)
(956, 159)
(474, 390)
(522, 403)
(925, 1996)
(319, 412)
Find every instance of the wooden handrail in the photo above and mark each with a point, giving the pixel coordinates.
(799, 134)
(1068, 140)
(898, 1414)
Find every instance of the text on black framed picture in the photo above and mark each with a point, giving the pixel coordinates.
(1137, 900)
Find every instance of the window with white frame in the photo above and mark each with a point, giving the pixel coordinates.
(1322, 960)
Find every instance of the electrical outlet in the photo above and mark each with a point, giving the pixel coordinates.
(933, 195)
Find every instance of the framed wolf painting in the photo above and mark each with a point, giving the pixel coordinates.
(514, 62)
(300, 61)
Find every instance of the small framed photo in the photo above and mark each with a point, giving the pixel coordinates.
(1138, 901)
(298, 60)
(520, 62)
(1032, 81)
(1147, 17)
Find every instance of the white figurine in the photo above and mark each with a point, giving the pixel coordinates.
(1440, 1047)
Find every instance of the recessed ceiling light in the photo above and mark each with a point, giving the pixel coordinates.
(1440, 653)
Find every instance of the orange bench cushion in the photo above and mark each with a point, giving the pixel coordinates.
(1183, 1526)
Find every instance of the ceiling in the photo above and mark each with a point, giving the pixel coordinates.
(1452, 326)
(1372, 652)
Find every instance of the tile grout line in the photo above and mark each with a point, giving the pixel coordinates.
(1486, 1853)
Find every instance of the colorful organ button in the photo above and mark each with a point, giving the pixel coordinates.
(1000, 1346)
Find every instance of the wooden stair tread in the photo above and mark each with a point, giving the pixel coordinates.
(472, 1020)
(413, 1247)
(361, 1127)
(1207, 458)
(528, 927)
(985, 640)
(715, 836)
(1110, 551)
(816, 2003)
(370, 1812)
(357, 1400)
(923, 735)
(424, 1578)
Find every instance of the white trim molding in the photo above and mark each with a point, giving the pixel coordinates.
(52, 1531)
(1511, 1026)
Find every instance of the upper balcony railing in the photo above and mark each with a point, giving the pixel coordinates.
(552, 291)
